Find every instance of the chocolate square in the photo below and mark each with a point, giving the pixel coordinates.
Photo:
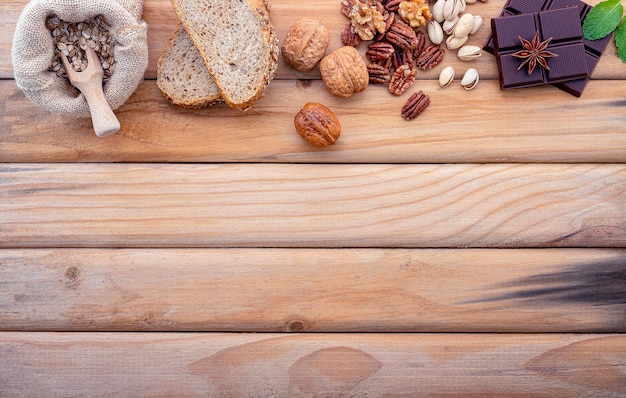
(593, 48)
(565, 33)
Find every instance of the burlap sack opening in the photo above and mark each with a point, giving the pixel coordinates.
(33, 51)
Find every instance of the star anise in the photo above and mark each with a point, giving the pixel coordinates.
(534, 53)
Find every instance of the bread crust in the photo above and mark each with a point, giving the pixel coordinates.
(173, 98)
(270, 58)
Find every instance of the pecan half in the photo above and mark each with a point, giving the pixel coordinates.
(379, 51)
(379, 6)
(402, 35)
(421, 43)
(387, 63)
(390, 19)
(402, 79)
(392, 5)
(346, 7)
(415, 105)
(402, 57)
(430, 57)
(378, 74)
(349, 36)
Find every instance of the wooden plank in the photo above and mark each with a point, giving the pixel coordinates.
(311, 365)
(537, 125)
(162, 20)
(313, 290)
(312, 205)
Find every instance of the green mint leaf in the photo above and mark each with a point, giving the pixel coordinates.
(602, 19)
(620, 40)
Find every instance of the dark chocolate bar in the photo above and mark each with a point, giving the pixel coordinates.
(593, 48)
(563, 35)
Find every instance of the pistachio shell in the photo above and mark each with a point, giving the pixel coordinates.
(468, 53)
(446, 76)
(452, 8)
(464, 26)
(470, 79)
(435, 33)
(448, 9)
(437, 10)
(478, 22)
(449, 24)
(454, 42)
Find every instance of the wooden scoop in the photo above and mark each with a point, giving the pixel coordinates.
(89, 82)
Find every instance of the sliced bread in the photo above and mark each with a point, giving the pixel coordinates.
(182, 76)
(237, 42)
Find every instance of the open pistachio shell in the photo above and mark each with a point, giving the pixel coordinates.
(478, 22)
(468, 53)
(435, 33)
(437, 10)
(446, 76)
(464, 26)
(470, 79)
(453, 42)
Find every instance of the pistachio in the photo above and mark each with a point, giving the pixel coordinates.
(478, 22)
(452, 8)
(446, 76)
(449, 24)
(437, 11)
(470, 1)
(454, 42)
(468, 53)
(470, 79)
(464, 26)
(435, 32)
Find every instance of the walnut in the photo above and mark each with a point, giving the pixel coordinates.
(415, 12)
(305, 44)
(317, 125)
(367, 20)
(344, 72)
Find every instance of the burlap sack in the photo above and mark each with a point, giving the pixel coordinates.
(33, 51)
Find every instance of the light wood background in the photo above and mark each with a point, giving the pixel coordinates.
(479, 250)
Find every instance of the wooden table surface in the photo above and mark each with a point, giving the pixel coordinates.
(475, 251)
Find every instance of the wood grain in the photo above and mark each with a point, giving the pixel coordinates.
(313, 290)
(311, 365)
(537, 125)
(162, 21)
(501, 213)
(269, 205)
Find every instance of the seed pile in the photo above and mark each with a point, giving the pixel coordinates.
(72, 39)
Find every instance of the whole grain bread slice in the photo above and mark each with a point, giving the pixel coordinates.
(182, 76)
(237, 43)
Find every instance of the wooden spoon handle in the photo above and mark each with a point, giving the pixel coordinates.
(104, 120)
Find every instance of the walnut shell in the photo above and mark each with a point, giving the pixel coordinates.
(317, 124)
(305, 44)
(344, 72)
